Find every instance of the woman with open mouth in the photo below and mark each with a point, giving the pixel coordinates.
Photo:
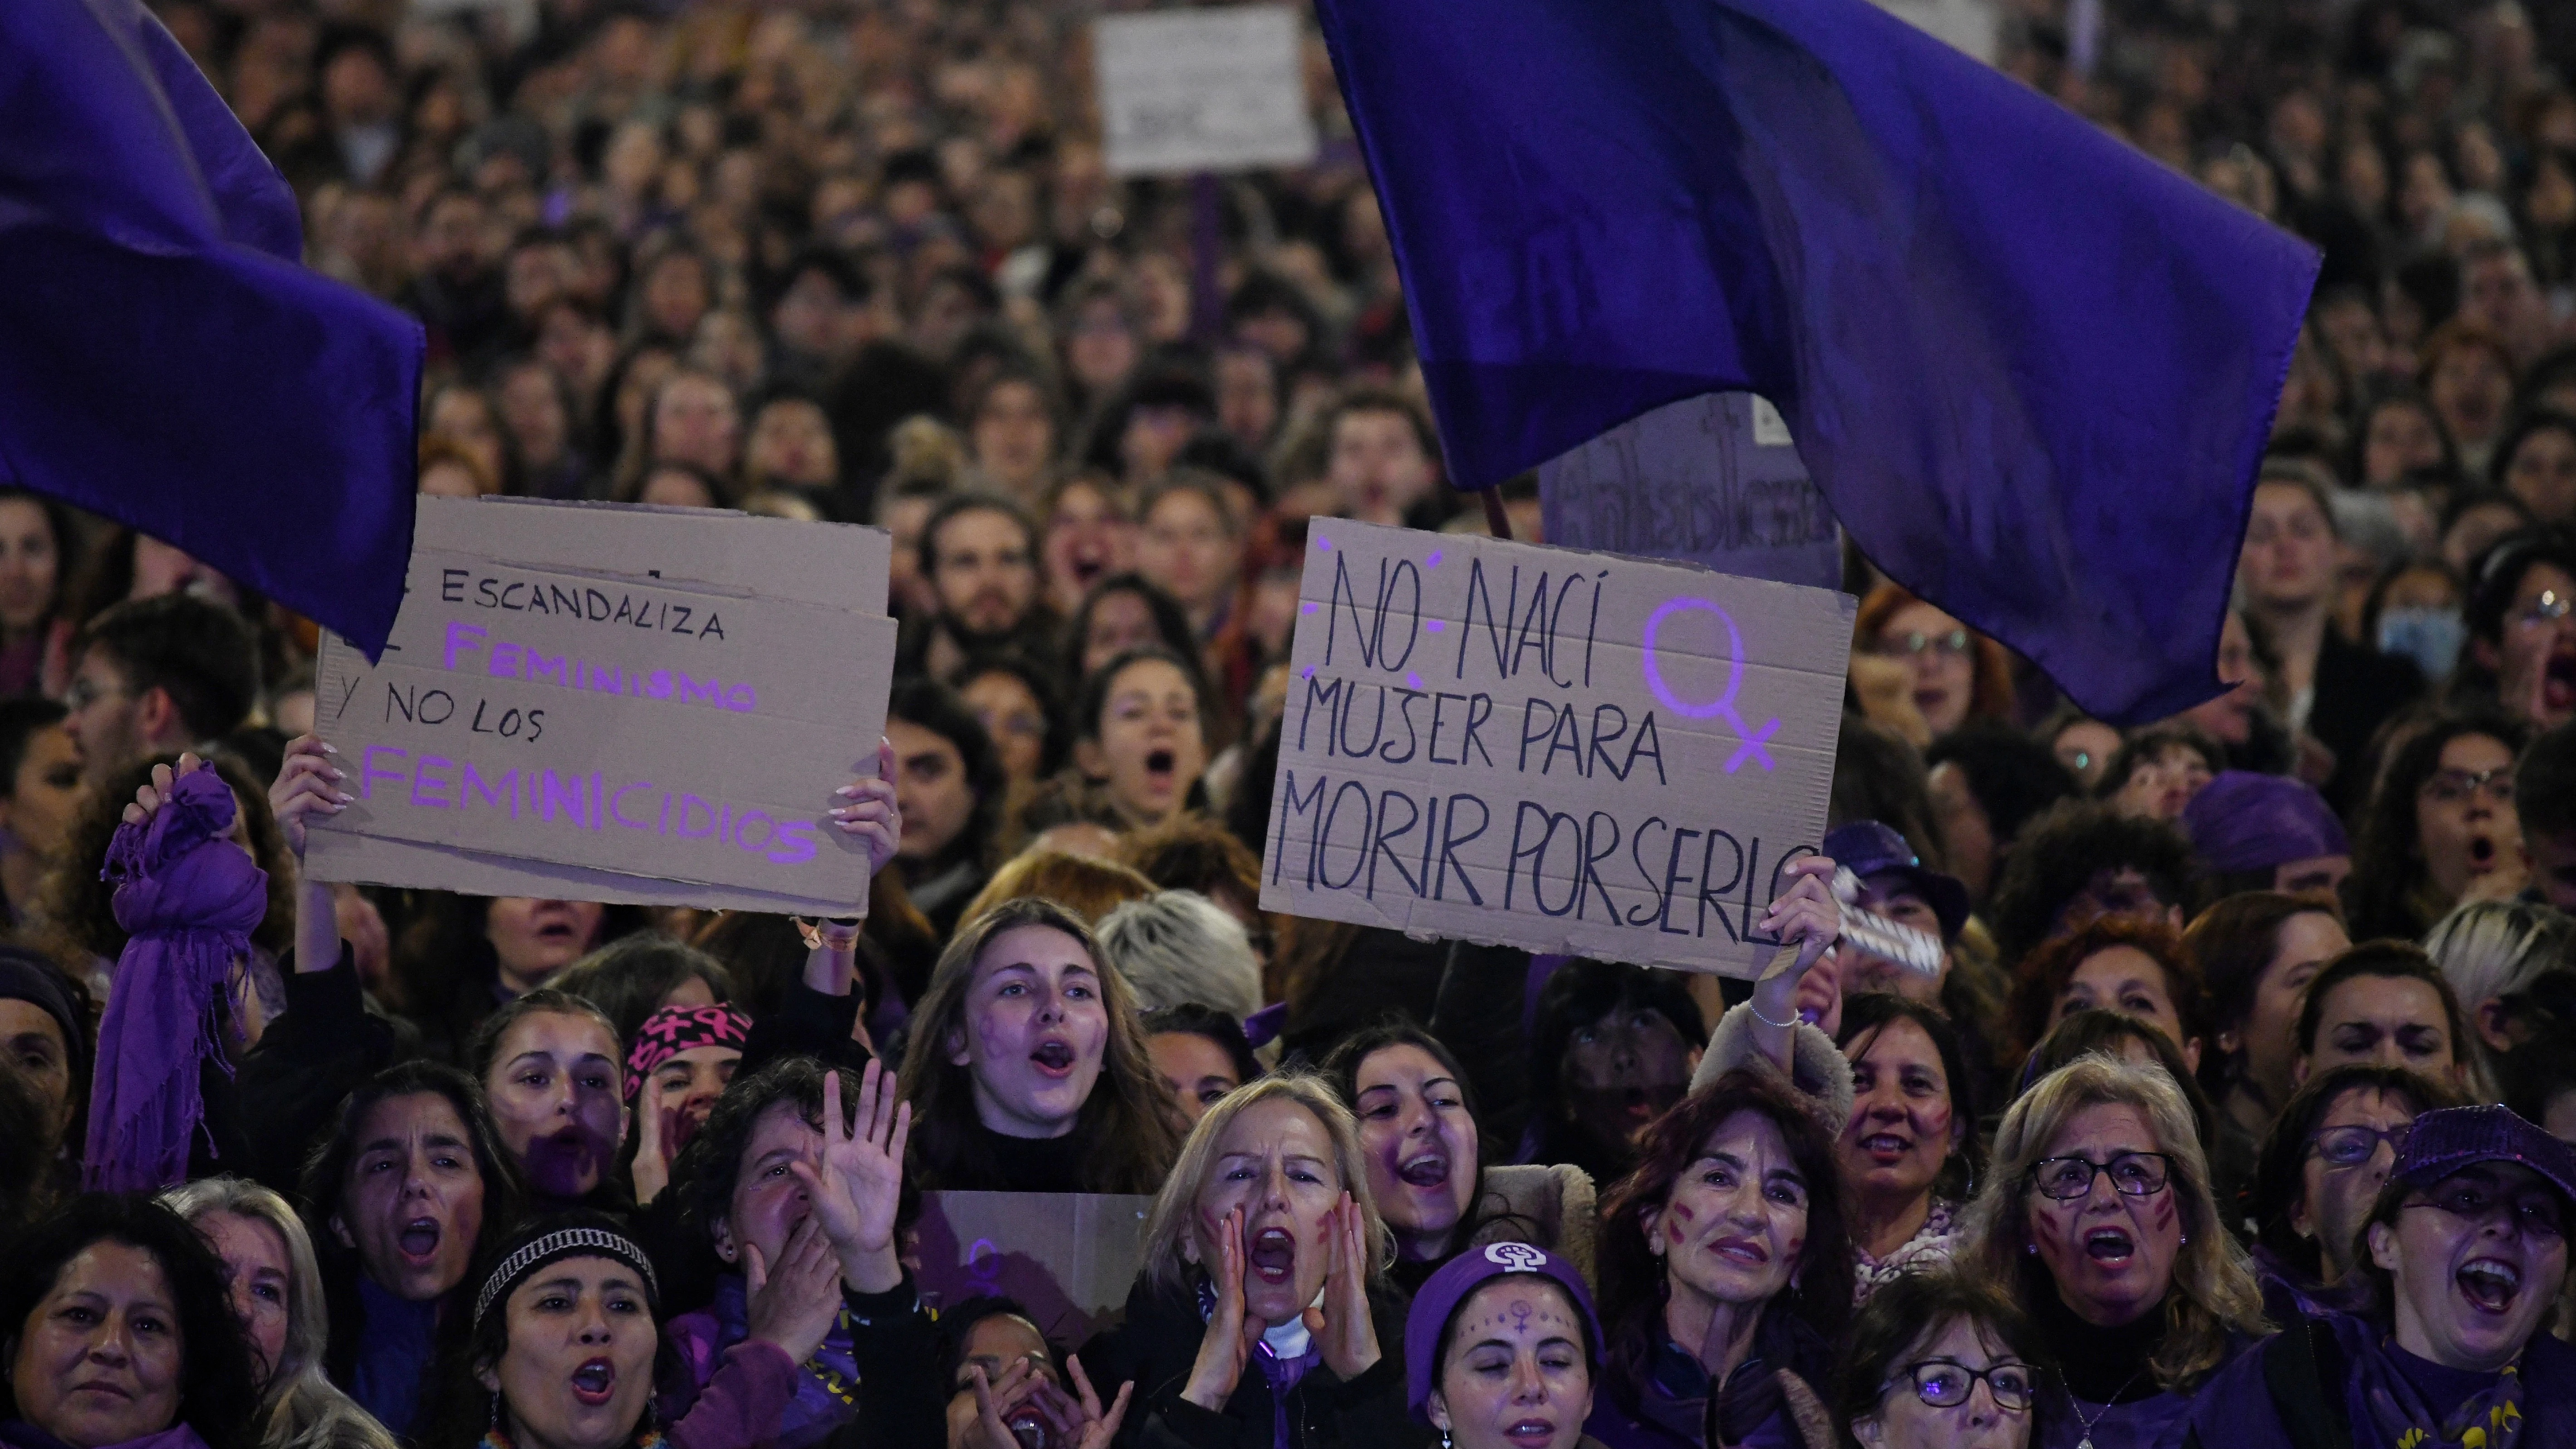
(2440, 829)
(555, 1075)
(2098, 1218)
(2321, 1169)
(2521, 653)
(1143, 734)
(117, 1331)
(1028, 1070)
(1725, 1274)
(1501, 1350)
(2465, 1253)
(1262, 1304)
(1425, 1160)
(560, 1349)
(408, 1190)
(1938, 1361)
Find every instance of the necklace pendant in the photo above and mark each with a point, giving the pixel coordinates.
(2087, 1443)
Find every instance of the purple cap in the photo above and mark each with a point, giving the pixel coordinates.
(2443, 1142)
(1438, 1301)
(1867, 848)
(2243, 821)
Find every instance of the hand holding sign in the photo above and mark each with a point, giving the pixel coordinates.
(869, 812)
(308, 784)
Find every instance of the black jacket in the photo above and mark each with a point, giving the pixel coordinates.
(1158, 1343)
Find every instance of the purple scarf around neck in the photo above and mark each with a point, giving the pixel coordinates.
(188, 900)
(2387, 1409)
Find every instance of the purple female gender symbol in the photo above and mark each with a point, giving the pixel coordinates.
(1723, 707)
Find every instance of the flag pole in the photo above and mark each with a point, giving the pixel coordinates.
(1497, 522)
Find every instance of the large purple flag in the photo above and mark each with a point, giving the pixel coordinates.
(165, 358)
(2032, 370)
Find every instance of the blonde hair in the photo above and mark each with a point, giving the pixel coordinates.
(302, 1409)
(1166, 1265)
(2213, 1292)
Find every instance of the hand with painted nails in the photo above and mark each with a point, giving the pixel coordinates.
(1804, 914)
(149, 795)
(867, 809)
(308, 785)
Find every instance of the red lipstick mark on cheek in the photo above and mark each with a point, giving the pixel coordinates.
(2164, 1210)
(1674, 1231)
(1684, 1209)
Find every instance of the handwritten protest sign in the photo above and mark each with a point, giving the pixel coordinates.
(1216, 89)
(1570, 752)
(1068, 1257)
(1713, 480)
(614, 704)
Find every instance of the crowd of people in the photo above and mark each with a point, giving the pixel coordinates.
(2236, 1112)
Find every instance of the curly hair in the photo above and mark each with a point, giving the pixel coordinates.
(2061, 854)
(79, 906)
(2045, 972)
(218, 1385)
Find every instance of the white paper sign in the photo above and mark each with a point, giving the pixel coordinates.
(1564, 751)
(1713, 480)
(1220, 89)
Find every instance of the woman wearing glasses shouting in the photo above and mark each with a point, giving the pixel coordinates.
(1938, 1361)
(2098, 1218)
(2441, 829)
(2464, 1252)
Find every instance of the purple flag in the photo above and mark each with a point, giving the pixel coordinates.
(165, 358)
(2032, 370)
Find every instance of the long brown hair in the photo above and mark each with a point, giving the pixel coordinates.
(1632, 1277)
(1127, 1139)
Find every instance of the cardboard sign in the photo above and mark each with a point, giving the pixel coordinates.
(1069, 1257)
(1568, 752)
(1220, 89)
(1712, 479)
(614, 704)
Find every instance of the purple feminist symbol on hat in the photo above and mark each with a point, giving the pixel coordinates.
(1751, 740)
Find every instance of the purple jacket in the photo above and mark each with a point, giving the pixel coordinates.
(740, 1404)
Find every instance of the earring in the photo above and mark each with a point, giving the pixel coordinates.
(1444, 1439)
(2031, 1248)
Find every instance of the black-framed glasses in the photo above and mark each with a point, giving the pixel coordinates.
(1945, 1383)
(2354, 1145)
(2133, 1174)
(1914, 643)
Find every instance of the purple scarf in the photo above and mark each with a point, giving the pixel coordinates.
(188, 899)
(2388, 1410)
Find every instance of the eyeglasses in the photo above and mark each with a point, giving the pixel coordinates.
(2536, 1213)
(1946, 1383)
(2354, 1145)
(2133, 1174)
(2544, 611)
(1914, 643)
(2455, 787)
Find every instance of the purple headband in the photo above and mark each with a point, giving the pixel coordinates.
(676, 1029)
(1460, 1277)
(2242, 821)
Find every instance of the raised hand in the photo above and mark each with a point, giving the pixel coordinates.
(308, 784)
(859, 1182)
(149, 796)
(652, 1169)
(1344, 1332)
(1806, 912)
(1079, 1421)
(1231, 1330)
(868, 810)
(794, 1302)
